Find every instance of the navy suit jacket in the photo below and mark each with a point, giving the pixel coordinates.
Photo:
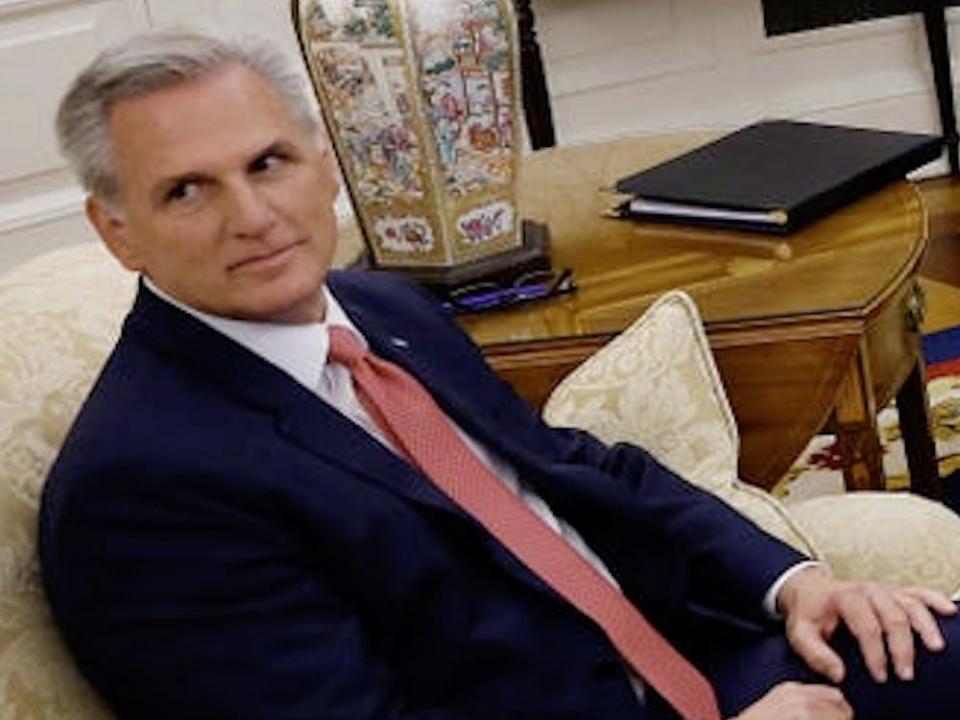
(218, 543)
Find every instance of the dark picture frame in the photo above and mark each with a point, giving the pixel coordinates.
(782, 17)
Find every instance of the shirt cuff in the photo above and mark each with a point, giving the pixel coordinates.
(770, 599)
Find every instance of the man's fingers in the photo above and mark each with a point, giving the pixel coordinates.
(921, 604)
(820, 695)
(795, 701)
(923, 622)
(861, 617)
(884, 620)
(808, 642)
(934, 599)
(896, 624)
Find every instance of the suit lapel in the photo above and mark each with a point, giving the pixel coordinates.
(299, 416)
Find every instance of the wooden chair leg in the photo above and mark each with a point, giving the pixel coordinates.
(536, 97)
(855, 421)
(935, 24)
(918, 443)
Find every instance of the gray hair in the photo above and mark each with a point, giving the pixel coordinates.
(154, 61)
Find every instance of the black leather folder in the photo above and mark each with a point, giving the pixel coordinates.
(774, 176)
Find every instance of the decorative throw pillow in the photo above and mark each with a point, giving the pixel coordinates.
(656, 385)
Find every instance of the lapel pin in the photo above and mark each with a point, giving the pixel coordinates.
(399, 342)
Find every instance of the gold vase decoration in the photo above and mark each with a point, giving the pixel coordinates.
(421, 100)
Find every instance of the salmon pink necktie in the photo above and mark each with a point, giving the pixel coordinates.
(417, 426)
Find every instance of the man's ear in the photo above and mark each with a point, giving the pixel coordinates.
(329, 166)
(114, 232)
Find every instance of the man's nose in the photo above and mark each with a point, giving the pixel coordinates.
(249, 213)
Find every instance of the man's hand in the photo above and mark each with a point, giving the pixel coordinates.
(883, 620)
(793, 701)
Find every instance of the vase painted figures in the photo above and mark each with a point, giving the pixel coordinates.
(422, 102)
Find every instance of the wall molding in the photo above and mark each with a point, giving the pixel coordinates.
(900, 111)
(18, 7)
(41, 208)
(678, 45)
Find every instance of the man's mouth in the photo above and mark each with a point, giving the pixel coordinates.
(267, 258)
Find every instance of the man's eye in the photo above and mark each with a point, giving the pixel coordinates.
(267, 161)
(182, 192)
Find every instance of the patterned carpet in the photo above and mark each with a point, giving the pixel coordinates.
(817, 471)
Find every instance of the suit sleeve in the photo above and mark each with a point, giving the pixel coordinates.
(674, 544)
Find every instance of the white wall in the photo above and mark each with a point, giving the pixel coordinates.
(615, 67)
(623, 66)
(42, 42)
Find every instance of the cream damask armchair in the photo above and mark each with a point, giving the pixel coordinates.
(656, 384)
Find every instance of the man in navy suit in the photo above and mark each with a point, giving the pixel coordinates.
(228, 534)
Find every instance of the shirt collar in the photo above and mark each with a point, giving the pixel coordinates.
(301, 350)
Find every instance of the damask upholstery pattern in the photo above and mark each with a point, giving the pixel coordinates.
(656, 385)
(896, 537)
(61, 314)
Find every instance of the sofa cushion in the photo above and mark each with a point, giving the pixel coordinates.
(885, 536)
(61, 315)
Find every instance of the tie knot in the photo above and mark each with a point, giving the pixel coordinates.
(345, 348)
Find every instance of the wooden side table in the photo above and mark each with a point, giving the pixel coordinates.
(827, 335)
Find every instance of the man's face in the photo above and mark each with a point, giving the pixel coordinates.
(225, 201)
